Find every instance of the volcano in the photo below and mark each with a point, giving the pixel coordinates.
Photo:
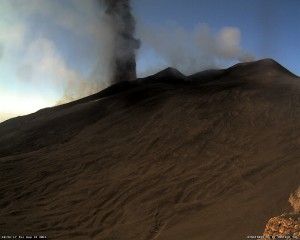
(212, 156)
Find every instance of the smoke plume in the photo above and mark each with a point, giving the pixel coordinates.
(193, 50)
(122, 26)
(61, 50)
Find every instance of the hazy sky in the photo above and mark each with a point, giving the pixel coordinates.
(57, 50)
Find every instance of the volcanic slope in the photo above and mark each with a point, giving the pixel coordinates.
(208, 156)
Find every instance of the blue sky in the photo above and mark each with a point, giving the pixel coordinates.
(56, 51)
(269, 28)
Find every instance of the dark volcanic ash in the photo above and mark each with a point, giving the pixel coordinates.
(122, 25)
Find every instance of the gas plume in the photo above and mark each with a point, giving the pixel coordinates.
(122, 26)
(68, 49)
(193, 50)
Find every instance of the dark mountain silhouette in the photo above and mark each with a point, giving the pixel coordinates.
(213, 155)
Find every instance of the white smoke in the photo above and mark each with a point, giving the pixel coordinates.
(31, 47)
(197, 50)
(34, 53)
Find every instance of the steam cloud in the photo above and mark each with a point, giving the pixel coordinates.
(122, 26)
(196, 50)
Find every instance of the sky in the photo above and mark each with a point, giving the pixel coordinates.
(54, 51)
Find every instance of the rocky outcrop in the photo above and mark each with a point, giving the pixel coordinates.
(294, 200)
(284, 226)
(287, 225)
